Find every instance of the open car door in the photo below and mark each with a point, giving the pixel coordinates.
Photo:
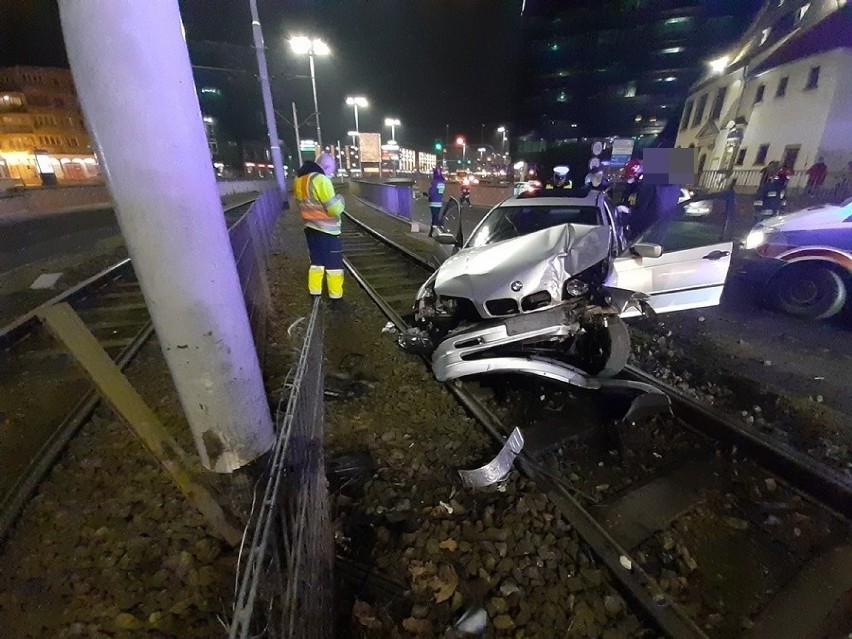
(689, 272)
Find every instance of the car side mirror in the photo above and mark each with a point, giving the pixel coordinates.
(644, 249)
(445, 238)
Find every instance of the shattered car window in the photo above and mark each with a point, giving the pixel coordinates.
(508, 222)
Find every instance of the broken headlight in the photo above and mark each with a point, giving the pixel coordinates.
(575, 288)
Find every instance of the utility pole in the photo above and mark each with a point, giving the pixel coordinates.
(265, 90)
(296, 129)
(316, 104)
(155, 152)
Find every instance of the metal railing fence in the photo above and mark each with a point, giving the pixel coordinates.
(285, 586)
(251, 240)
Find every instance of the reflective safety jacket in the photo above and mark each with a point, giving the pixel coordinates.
(319, 206)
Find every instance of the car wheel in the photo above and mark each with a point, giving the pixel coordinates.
(808, 291)
(604, 350)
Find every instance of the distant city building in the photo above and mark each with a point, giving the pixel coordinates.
(43, 137)
(781, 93)
(602, 68)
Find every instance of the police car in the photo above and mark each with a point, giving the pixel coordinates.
(804, 259)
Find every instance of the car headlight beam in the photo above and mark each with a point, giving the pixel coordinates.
(755, 238)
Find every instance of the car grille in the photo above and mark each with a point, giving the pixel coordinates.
(535, 300)
(504, 306)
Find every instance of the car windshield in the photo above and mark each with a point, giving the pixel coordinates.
(508, 222)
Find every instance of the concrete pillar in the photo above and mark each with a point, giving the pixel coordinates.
(133, 76)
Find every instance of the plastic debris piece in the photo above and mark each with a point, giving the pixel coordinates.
(472, 622)
(625, 562)
(46, 280)
(447, 507)
(390, 327)
(646, 406)
(497, 468)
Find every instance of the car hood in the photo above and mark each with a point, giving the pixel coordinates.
(534, 262)
(808, 218)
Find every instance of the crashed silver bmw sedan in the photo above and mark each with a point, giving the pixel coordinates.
(545, 279)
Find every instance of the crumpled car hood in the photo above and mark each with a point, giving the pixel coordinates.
(539, 261)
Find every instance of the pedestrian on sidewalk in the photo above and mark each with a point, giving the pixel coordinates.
(436, 198)
(321, 209)
(816, 177)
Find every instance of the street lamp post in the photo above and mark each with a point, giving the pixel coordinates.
(502, 130)
(460, 141)
(301, 45)
(393, 123)
(355, 102)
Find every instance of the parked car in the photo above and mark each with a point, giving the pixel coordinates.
(548, 274)
(697, 208)
(803, 260)
(523, 187)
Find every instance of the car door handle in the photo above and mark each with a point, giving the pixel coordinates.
(716, 255)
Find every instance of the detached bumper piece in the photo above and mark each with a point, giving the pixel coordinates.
(497, 468)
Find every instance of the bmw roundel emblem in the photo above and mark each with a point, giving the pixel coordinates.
(517, 285)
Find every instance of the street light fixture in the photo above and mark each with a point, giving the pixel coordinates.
(460, 141)
(502, 130)
(393, 123)
(355, 102)
(301, 45)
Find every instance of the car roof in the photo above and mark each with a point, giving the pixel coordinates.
(545, 199)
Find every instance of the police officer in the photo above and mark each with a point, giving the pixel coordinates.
(321, 209)
(560, 179)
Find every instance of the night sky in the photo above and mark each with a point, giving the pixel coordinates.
(427, 62)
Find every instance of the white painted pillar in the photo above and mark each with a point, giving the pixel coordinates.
(133, 76)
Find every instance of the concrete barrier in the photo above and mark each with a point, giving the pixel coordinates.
(390, 198)
(53, 199)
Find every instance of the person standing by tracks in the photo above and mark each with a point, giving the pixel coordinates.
(436, 198)
(321, 208)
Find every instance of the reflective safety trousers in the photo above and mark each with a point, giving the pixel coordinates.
(319, 206)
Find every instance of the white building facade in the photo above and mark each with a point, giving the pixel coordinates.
(784, 94)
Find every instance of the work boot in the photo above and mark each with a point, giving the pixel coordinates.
(315, 276)
(335, 283)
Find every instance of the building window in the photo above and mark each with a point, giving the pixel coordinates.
(716, 112)
(813, 78)
(687, 111)
(758, 95)
(740, 157)
(800, 14)
(699, 111)
(791, 154)
(762, 152)
(781, 91)
(764, 35)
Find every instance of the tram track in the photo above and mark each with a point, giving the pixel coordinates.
(44, 398)
(716, 470)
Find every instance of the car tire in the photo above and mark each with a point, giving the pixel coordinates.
(808, 291)
(605, 349)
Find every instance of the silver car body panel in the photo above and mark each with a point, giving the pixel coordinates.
(539, 261)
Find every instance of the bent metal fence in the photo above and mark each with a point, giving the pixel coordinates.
(285, 584)
(251, 239)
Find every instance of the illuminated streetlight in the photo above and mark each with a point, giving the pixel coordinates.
(502, 129)
(301, 45)
(393, 123)
(718, 65)
(460, 141)
(355, 102)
